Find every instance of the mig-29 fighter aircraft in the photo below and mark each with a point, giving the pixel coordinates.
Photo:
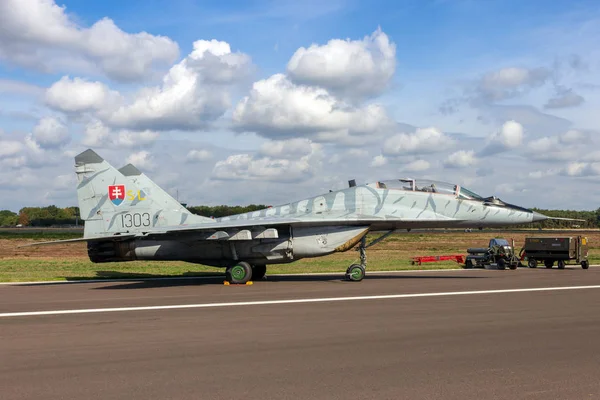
(128, 217)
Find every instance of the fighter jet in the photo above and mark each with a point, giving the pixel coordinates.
(128, 217)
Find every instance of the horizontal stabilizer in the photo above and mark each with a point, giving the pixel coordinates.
(67, 241)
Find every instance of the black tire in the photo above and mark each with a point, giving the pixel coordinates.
(532, 263)
(240, 273)
(548, 263)
(585, 264)
(259, 272)
(469, 264)
(561, 264)
(355, 273)
(513, 265)
(501, 264)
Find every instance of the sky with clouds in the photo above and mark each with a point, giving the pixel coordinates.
(239, 102)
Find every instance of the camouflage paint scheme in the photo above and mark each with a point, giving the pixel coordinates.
(150, 225)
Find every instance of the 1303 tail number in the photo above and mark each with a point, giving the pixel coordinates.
(135, 220)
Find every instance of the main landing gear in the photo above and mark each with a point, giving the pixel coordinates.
(356, 272)
(243, 272)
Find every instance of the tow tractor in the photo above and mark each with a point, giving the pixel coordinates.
(499, 253)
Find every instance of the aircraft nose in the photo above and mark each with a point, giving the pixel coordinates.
(538, 217)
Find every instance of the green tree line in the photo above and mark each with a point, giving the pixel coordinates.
(40, 216)
(223, 211)
(52, 215)
(591, 219)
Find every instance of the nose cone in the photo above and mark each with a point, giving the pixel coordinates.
(538, 217)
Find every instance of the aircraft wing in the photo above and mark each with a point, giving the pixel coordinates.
(239, 228)
(382, 223)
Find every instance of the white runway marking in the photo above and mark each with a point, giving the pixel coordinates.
(291, 301)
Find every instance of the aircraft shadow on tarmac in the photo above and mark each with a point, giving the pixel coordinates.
(217, 279)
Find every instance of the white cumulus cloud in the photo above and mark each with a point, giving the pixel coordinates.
(217, 64)
(417, 165)
(193, 93)
(245, 167)
(355, 68)
(274, 168)
(77, 95)
(198, 156)
(422, 141)
(142, 159)
(581, 169)
(277, 107)
(567, 146)
(379, 161)
(40, 34)
(539, 174)
(9, 148)
(460, 159)
(292, 148)
(573, 136)
(96, 134)
(51, 133)
(509, 137)
(133, 139)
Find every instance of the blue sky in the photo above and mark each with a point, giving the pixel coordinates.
(434, 34)
(465, 68)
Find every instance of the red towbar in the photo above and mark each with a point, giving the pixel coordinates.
(459, 258)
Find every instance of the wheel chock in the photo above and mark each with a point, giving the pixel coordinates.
(226, 283)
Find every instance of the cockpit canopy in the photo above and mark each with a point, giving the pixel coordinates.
(425, 185)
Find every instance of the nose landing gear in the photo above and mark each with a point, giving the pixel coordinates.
(356, 272)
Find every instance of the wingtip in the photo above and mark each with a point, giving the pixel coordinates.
(88, 157)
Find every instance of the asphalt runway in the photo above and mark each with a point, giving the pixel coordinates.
(450, 335)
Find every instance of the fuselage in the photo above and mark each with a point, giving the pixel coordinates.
(320, 225)
(382, 207)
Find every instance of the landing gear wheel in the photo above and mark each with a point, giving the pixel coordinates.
(513, 265)
(548, 263)
(355, 273)
(501, 263)
(240, 273)
(561, 264)
(585, 264)
(468, 264)
(258, 272)
(532, 263)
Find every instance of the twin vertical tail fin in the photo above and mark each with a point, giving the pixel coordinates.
(160, 197)
(120, 202)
